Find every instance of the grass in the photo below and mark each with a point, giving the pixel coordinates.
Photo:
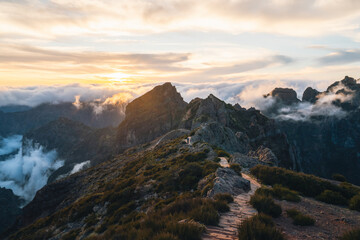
(265, 204)
(224, 197)
(351, 235)
(306, 184)
(355, 203)
(168, 174)
(300, 218)
(339, 177)
(332, 197)
(259, 227)
(279, 192)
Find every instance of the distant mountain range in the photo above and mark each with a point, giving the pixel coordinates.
(319, 134)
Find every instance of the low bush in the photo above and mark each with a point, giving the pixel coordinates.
(187, 230)
(224, 197)
(259, 227)
(279, 192)
(165, 236)
(306, 184)
(300, 218)
(236, 167)
(351, 235)
(339, 177)
(222, 153)
(265, 204)
(355, 203)
(332, 197)
(221, 206)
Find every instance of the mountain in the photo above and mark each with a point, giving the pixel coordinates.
(324, 130)
(150, 116)
(20, 122)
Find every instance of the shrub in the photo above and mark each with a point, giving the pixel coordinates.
(221, 206)
(259, 227)
(71, 235)
(355, 203)
(236, 167)
(279, 192)
(186, 231)
(190, 176)
(306, 184)
(351, 235)
(265, 204)
(222, 153)
(165, 236)
(205, 214)
(300, 218)
(332, 197)
(339, 177)
(303, 220)
(224, 197)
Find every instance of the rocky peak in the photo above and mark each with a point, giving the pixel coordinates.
(310, 95)
(210, 109)
(151, 115)
(347, 82)
(285, 95)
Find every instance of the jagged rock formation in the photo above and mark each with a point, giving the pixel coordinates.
(310, 95)
(284, 95)
(228, 181)
(328, 143)
(150, 116)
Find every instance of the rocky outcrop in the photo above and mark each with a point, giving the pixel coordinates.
(228, 181)
(285, 95)
(265, 156)
(150, 116)
(310, 95)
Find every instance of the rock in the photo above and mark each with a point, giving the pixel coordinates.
(150, 116)
(228, 181)
(285, 95)
(265, 155)
(218, 135)
(310, 95)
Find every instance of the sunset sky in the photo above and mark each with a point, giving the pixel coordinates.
(127, 43)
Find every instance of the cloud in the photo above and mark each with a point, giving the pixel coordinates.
(64, 17)
(27, 171)
(35, 95)
(341, 57)
(80, 166)
(10, 144)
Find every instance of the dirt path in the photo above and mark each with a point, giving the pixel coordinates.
(240, 209)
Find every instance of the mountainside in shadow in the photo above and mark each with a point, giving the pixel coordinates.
(20, 122)
(324, 129)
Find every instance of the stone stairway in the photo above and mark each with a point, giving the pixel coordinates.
(240, 210)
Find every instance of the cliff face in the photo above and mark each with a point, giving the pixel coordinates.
(150, 116)
(325, 136)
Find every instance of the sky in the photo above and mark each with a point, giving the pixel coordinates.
(195, 44)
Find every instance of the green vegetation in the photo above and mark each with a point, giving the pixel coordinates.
(224, 197)
(339, 177)
(308, 185)
(236, 167)
(300, 218)
(279, 192)
(221, 152)
(259, 227)
(355, 203)
(265, 204)
(351, 235)
(163, 182)
(332, 197)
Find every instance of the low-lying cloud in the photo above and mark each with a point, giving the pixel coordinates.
(27, 171)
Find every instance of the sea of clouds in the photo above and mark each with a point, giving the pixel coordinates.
(25, 172)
